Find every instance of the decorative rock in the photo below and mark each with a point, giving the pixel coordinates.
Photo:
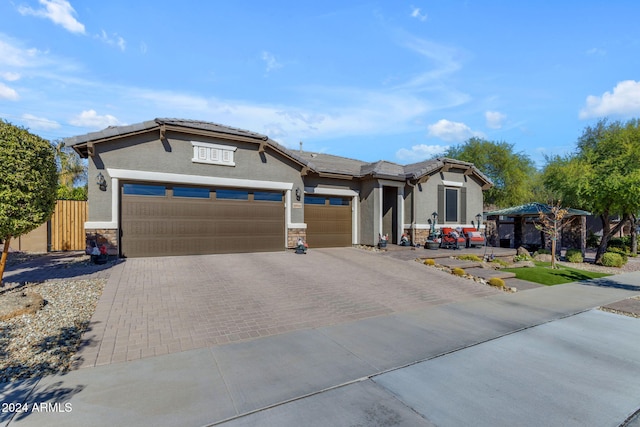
(17, 303)
(543, 257)
(522, 251)
(44, 342)
(524, 264)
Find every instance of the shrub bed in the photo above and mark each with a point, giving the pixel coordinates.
(612, 259)
(574, 255)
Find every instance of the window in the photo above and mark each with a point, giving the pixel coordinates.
(314, 200)
(213, 154)
(194, 192)
(338, 201)
(451, 205)
(232, 194)
(267, 196)
(143, 190)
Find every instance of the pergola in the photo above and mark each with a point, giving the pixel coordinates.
(533, 210)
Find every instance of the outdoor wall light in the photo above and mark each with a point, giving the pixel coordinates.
(434, 216)
(298, 193)
(102, 183)
(479, 221)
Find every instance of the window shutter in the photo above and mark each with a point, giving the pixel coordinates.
(463, 205)
(441, 203)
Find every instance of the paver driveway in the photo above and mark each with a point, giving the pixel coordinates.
(154, 306)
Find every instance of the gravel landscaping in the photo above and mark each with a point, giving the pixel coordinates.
(42, 340)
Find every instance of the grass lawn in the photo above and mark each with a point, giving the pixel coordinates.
(543, 274)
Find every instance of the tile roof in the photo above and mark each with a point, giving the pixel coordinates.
(329, 163)
(115, 131)
(533, 209)
(319, 162)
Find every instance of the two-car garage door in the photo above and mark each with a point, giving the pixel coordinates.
(159, 220)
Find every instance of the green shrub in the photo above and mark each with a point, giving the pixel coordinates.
(500, 262)
(429, 261)
(612, 259)
(543, 251)
(574, 255)
(458, 271)
(497, 282)
(521, 257)
(470, 257)
(621, 251)
(593, 240)
(620, 243)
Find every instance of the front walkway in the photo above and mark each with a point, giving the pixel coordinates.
(156, 306)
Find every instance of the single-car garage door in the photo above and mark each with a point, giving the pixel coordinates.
(160, 220)
(328, 221)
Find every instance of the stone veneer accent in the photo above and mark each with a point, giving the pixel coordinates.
(293, 234)
(101, 237)
(421, 235)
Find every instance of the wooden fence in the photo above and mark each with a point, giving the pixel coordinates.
(67, 226)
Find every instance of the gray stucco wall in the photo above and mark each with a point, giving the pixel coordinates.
(147, 153)
(369, 212)
(427, 195)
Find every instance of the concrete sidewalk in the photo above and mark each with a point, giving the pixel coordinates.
(400, 369)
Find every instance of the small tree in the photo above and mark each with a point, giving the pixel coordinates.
(514, 175)
(28, 181)
(72, 171)
(551, 224)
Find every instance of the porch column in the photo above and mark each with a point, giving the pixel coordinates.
(518, 231)
(400, 213)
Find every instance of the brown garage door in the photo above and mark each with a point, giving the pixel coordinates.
(328, 221)
(160, 220)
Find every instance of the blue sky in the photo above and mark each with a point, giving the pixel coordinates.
(398, 81)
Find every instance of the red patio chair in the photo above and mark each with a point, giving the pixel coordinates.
(451, 240)
(473, 237)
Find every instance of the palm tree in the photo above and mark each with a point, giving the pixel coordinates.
(71, 170)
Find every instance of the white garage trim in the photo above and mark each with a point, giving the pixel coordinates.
(355, 201)
(176, 178)
(331, 191)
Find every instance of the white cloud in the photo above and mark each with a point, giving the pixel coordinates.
(494, 119)
(113, 40)
(624, 101)
(10, 76)
(270, 60)
(420, 152)
(596, 51)
(40, 123)
(8, 93)
(335, 112)
(91, 119)
(443, 57)
(417, 13)
(59, 12)
(14, 56)
(347, 112)
(451, 131)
